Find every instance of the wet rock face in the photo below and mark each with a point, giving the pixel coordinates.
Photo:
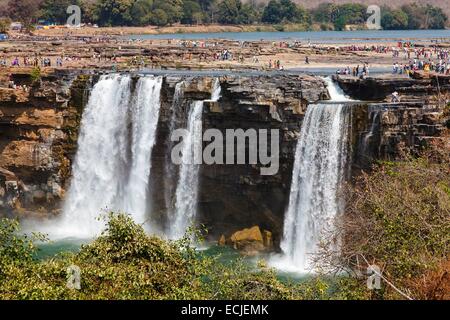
(38, 128)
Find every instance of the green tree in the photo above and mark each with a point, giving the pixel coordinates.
(272, 13)
(248, 14)
(192, 12)
(55, 10)
(415, 15)
(172, 8)
(353, 13)
(142, 12)
(340, 22)
(229, 11)
(115, 12)
(159, 17)
(394, 20)
(325, 12)
(436, 18)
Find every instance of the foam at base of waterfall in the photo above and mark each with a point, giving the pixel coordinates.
(283, 263)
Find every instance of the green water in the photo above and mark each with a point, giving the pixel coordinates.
(52, 249)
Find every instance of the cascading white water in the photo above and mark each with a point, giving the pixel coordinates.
(319, 170)
(336, 93)
(112, 164)
(366, 139)
(188, 184)
(187, 188)
(144, 120)
(169, 167)
(216, 90)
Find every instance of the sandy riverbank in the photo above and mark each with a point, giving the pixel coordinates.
(91, 31)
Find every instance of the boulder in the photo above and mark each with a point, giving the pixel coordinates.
(250, 241)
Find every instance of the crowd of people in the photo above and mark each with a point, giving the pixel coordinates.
(358, 71)
(36, 61)
(276, 64)
(442, 66)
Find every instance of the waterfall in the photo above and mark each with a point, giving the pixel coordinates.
(169, 167)
(368, 139)
(112, 164)
(216, 90)
(319, 169)
(187, 187)
(186, 193)
(336, 93)
(145, 116)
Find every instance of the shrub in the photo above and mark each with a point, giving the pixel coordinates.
(397, 217)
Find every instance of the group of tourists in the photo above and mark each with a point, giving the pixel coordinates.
(276, 64)
(37, 61)
(441, 66)
(357, 71)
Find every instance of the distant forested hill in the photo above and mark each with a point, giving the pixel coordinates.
(303, 14)
(444, 4)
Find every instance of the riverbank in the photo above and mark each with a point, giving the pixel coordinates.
(174, 29)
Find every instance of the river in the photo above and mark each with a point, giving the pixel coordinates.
(313, 36)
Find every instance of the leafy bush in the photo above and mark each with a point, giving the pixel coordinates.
(125, 263)
(397, 217)
(35, 74)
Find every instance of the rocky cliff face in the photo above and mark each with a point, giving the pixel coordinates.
(422, 87)
(38, 134)
(234, 197)
(392, 129)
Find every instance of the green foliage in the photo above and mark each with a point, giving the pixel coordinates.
(54, 11)
(414, 16)
(397, 217)
(352, 13)
(340, 15)
(285, 11)
(192, 12)
(168, 12)
(114, 12)
(394, 19)
(437, 19)
(125, 263)
(35, 74)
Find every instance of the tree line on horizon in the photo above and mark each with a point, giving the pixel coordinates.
(326, 16)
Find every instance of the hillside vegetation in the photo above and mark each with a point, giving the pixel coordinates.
(326, 15)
